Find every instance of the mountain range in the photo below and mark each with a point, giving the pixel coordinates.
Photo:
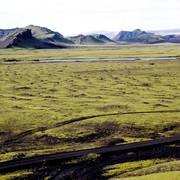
(166, 32)
(41, 37)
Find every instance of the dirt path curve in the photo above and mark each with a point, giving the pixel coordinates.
(29, 132)
(12, 165)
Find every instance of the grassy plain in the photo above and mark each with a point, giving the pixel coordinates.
(39, 97)
(92, 52)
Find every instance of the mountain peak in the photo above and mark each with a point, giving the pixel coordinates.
(137, 30)
(46, 34)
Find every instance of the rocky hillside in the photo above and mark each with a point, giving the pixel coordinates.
(23, 38)
(45, 34)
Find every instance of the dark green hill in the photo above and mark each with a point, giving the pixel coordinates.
(81, 39)
(23, 39)
(90, 39)
(103, 38)
(45, 34)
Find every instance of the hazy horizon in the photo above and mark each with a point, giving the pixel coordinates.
(82, 16)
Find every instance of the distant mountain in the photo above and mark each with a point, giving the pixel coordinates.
(109, 34)
(4, 32)
(172, 38)
(90, 39)
(138, 36)
(82, 39)
(128, 35)
(166, 32)
(23, 38)
(47, 35)
(103, 38)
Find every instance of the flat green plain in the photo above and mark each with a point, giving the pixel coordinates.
(166, 50)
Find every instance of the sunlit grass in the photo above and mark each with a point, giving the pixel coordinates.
(14, 175)
(147, 169)
(165, 176)
(117, 169)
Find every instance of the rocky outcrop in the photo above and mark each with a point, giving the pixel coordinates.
(138, 36)
(128, 35)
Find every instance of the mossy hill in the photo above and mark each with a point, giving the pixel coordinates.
(91, 39)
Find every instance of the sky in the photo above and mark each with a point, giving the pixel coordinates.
(72, 17)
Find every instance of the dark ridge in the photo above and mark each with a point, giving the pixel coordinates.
(88, 39)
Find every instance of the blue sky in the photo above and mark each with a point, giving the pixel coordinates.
(71, 17)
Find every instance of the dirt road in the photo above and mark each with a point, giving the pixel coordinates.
(13, 165)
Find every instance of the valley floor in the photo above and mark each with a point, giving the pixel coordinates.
(81, 52)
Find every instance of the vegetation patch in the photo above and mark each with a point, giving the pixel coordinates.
(123, 168)
(159, 168)
(175, 175)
